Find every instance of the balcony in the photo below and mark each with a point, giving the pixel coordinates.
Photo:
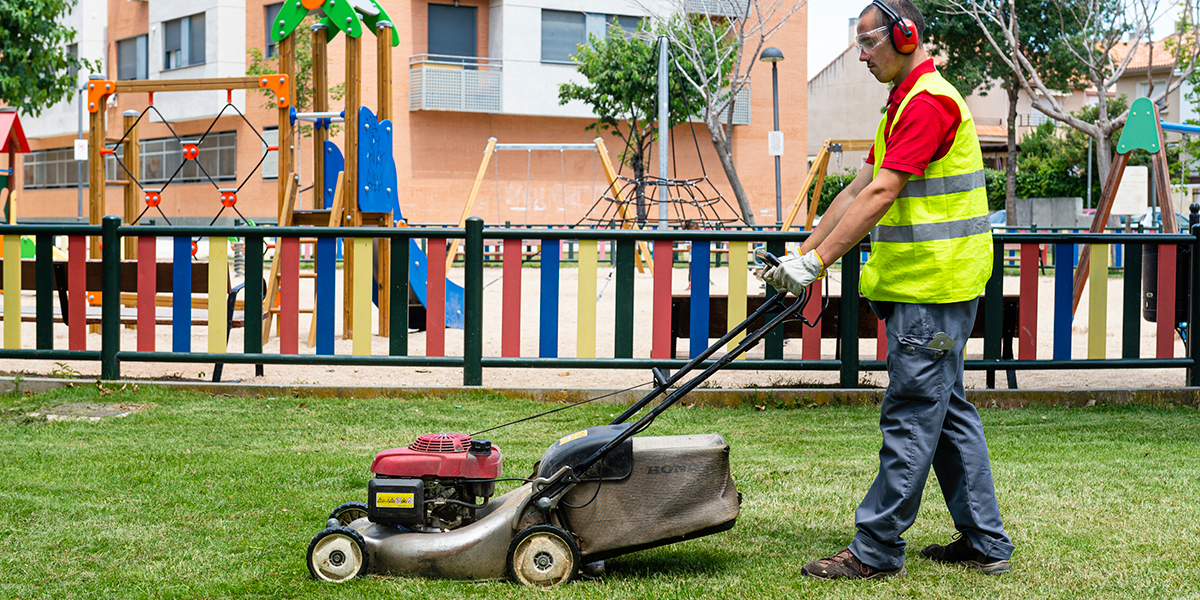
(455, 83)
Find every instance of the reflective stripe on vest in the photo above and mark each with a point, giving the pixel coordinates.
(934, 244)
(928, 232)
(940, 186)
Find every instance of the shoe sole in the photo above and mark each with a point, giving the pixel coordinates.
(992, 568)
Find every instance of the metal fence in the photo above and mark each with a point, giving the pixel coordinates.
(68, 283)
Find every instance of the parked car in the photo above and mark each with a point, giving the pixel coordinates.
(998, 219)
(1153, 220)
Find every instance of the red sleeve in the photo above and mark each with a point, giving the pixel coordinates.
(923, 134)
(871, 155)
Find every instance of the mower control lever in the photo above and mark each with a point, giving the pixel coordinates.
(766, 257)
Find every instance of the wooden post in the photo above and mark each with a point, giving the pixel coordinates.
(462, 220)
(383, 78)
(320, 77)
(286, 153)
(353, 216)
(132, 162)
(1107, 195)
(96, 174)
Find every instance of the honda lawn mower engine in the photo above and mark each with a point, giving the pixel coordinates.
(435, 484)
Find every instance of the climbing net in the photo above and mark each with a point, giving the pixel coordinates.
(191, 152)
(691, 204)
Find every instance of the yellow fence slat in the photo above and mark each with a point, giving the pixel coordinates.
(12, 292)
(1098, 301)
(738, 261)
(218, 286)
(585, 345)
(361, 324)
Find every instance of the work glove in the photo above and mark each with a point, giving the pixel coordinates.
(795, 273)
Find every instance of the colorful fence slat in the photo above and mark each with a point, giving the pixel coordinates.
(1098, 301)
(76, 292)
(435, 310)
(660, 341)
(1131, 320)
(585, 336)
(881, 340)
(44, 282)
(363, 286)
(181, 295)
(289, 295)
(1028, 312)
(739, 257)
(218, 292)
(810, 338)
(147, 290)
(1166, 301)
(548, 303)
(326, 265)
(12, 296)
(510, 310)
(698, 336)
(1064, 288)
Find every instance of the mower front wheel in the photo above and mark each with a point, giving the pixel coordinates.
(349, 513)
(337, 554)
(543, 555)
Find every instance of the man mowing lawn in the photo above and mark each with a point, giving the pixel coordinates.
(922, 192)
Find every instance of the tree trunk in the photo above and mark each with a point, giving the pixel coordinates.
(1010, 171)
(1104, 156)
(725, 154)
(637, 162)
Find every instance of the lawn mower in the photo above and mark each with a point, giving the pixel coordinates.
(595, 494)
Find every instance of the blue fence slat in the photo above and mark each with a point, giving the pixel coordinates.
(698, 334)
(326, 274)
(181, 295)
(548, 332)
(1064, 289)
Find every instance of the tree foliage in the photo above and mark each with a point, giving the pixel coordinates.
(260, 64)
(36, 71)
(622, 90)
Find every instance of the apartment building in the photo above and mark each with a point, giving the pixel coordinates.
(464, 71)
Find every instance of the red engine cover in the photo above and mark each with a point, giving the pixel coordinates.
(438, 455)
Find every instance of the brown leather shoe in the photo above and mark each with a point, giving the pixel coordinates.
(844, 565)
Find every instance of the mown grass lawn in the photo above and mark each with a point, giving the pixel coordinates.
(216, 497)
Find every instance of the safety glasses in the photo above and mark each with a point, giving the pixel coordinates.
(872, 39)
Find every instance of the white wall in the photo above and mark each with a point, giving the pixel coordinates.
(224, 56)
(89, 19)
(515, 36)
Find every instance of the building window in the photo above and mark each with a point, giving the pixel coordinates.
(563, 32)
(270, 165)
(73, 50)
(57, 168)
(162, 157)
(272, 11)
(451, 30)
(132, 59)
(183, 42)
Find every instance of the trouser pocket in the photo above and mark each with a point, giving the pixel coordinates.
(917, 371)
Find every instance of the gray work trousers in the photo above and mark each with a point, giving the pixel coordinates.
(926, 421)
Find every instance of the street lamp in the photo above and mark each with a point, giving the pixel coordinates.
(775, 138)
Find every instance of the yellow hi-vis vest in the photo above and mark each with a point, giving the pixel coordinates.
(934, 245)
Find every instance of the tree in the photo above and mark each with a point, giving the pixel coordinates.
(36, 71)
(716, 48)
(1092, 31)
(972, 65)
(622, 90)
(260, 64)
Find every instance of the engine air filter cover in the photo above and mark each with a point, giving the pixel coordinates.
(441, 455)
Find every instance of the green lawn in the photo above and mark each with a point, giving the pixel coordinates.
(217, 497)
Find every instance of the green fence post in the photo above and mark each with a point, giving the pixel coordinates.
(1131, 311)
(625, 257)
(993, 311)
(773, 341)
(44, 282)
(1194, 225)
(252, 342)
(398, 321)
(110, 302)
(848, 317)
(473, 304)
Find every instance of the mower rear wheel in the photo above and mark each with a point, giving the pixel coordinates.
(337, 554)
(349, 513)
(543, 555)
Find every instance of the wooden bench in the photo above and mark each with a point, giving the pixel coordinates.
(163, 312)
(868, 323)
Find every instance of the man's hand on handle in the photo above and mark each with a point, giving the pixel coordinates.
(795, 273)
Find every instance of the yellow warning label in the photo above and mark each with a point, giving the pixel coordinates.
(394, 500)
(573, 437)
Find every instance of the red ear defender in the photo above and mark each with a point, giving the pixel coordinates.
(904, 36)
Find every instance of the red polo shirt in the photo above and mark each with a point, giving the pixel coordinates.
(924, 133)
